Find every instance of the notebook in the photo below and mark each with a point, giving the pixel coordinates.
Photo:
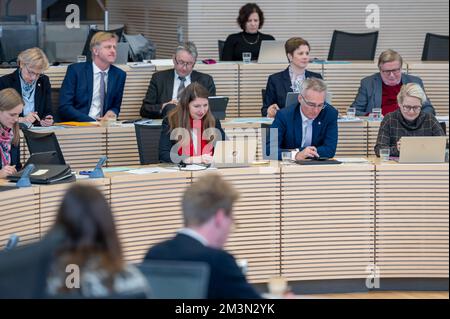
(218, 106)
(272, 51)
(422, 149)
(234, 153)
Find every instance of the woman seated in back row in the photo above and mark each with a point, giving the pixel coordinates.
(11, 106)
(290, 80)
(33, 85)
(250, 19)
(190, 131)
(408, 120)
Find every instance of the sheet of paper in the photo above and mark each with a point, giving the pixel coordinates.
(352, 159)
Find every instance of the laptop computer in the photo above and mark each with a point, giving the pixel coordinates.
(122, 53)
(422, 149)
(272, 51)
(218, 106)
(235, 153)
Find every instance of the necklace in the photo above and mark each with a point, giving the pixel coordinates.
(248, 42)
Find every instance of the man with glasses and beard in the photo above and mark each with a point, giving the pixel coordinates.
(165, 86)
(380, 90)
(307, 129)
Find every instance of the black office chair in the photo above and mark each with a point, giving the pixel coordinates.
(444, 127)
(353, 46)
(55, 104)
(43, 142)
(263, 94)
(87, 49)
(220, 44)
(147, 137)
(176, 279)
(23, 270)
(435, 47)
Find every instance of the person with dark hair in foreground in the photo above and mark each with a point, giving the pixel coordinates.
(207, 212)
(90, 245)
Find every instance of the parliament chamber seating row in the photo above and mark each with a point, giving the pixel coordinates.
(302, 222)
(83, 146)
(242, 83)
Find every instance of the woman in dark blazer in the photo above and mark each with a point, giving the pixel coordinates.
(189, 131)
(33, 85)
(11, 106)
(250, 20)
(290, 80)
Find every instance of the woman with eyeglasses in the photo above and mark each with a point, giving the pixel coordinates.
(190, 131)
(250, 20)
(11, 106)
(33, 85)
(408, 120)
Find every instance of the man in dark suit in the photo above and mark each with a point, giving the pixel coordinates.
(207, 211)
(380, 90)
(93, 90)
(306, 129)
(165, 86)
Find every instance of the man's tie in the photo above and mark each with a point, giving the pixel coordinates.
(102, 92)
(181, 87)
(308, 133)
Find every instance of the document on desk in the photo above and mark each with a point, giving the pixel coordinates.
(352, 160)
(151, 170)
(347, 119)
(252, 120)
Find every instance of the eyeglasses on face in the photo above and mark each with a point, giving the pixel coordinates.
(185, 64)
(310, 104)
(414, 108)
(32, 73)
(393, 71)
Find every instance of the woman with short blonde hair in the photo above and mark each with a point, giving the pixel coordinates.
(34, 87)
(408, 120)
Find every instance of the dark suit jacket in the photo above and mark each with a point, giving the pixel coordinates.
(370, 93)
(42, 94)
(226, 279)
(15, 157)
(160, 91)
(165, 143)
(288, 121)
(75, 96)
(278, 85)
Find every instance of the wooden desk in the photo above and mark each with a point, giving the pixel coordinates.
(303, 222)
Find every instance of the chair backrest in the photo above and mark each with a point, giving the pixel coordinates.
(220, 44)
(87, 50)
(353, 46)
(435, 47)
(147, 137)
(55, 104)
(444, 127)
(263, 94)
(176, 279)
(23, 270)
(43, 142)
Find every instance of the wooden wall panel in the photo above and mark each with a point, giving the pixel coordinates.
(327, 221)
(412, 221)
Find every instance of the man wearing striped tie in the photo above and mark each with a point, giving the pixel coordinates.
(93, 90)
(165, 86)
(308, 129)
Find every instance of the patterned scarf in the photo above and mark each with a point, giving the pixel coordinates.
(6, 136)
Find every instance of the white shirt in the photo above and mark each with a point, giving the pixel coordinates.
(192, 233)
(176, 84)
(95, 110)
(305, 121)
